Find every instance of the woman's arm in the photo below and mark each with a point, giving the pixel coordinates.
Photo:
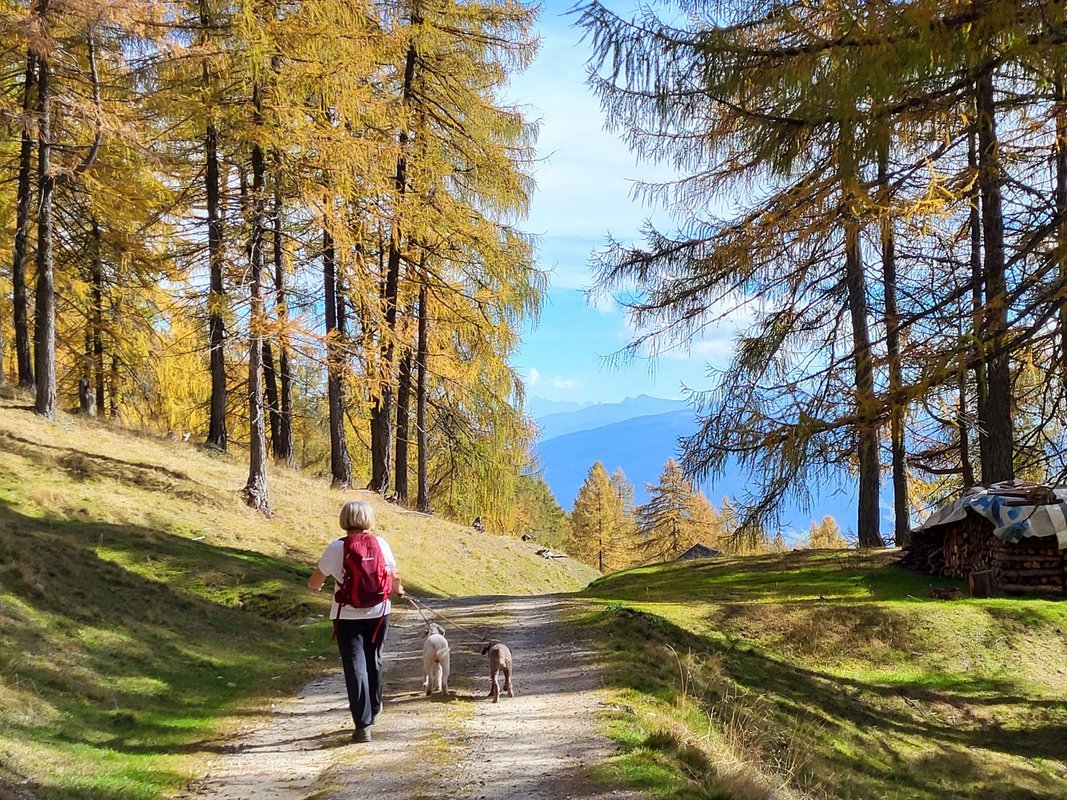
(398, 585)
(318, 577)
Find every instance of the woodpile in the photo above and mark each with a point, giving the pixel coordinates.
(958, 549)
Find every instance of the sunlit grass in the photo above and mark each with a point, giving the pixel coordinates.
(145, 611)
(834, 675)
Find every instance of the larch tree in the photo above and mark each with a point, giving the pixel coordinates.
(673, 519)
(596, 523)
(829, 126)
(460, 183)
(826, 535)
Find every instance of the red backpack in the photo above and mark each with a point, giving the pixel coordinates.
(367, 580)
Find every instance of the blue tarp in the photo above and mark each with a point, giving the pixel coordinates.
(1010, 522)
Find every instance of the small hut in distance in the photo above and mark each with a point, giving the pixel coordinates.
(1010, 537)
(699, 551)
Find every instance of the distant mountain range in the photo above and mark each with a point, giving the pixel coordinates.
(587, 418)
(639, 435)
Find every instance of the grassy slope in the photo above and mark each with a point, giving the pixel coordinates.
(143, 608)
(833, 675)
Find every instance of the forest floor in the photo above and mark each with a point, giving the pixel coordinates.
(543, 744)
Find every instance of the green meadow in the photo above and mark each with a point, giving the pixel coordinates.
(831, 674)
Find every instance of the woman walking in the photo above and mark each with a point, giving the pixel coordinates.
(364, 571)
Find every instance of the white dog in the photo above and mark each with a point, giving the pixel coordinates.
(435, 659)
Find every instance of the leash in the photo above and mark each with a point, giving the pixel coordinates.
(419, 606)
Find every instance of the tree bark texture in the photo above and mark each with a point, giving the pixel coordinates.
(382, 410)
(981, 384)
(901, 514)
(98, 314)
(403, 426)
(256, 488)
(217, 434)
(44, 327)
(270, 385)
(1061, 214)
(422, 500)
(283, 442)
(867, 439)
(20, 293)
(340, 463)
(998, 460)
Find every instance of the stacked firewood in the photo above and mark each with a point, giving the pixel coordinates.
(925, 553)
(958, 549)
(1034, 564)
(969, 546)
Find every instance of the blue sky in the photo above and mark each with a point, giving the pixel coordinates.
(584, 180)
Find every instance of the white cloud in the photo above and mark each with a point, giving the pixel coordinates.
(565, 383)
(604, 303)
(533, 376)
(585, 175)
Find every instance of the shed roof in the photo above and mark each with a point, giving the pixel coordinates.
(699, 551)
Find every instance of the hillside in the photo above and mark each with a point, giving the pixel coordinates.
(141, 602)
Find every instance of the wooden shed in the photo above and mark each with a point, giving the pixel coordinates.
(1013, 536)
(699, 551)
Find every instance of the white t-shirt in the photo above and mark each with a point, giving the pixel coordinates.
(332, 564)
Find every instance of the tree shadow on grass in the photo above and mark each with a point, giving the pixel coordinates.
(136, 639)
(81, 465)
(866, 733)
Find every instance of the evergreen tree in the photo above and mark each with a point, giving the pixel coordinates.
(675, 517)
(597, 523)
(540, 514)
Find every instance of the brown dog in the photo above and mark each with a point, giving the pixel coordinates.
(499, 661)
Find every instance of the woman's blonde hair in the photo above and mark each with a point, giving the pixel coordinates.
(357, 515)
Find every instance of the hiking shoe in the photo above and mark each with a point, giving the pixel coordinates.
(361, 735)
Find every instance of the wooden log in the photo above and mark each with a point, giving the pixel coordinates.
(983, 583)
(1023, 588)
(1032, 571)
(1027, 560)
(1031, 575)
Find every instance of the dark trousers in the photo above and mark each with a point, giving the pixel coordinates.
(360, 642)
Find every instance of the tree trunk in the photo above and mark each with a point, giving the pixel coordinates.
(863, 367)
(901, 514)
(20, 294)
(283, 443)
(98, 314)
(422, 501)
(1061, 214)
(217, 434)
(966, 468)
(44, 328)
(403, 404)
(113, 409)
(998, 461)
(86, 399)
(981, 383)
(340, 463)
(382, 411)
(270, 383)
(256, 488)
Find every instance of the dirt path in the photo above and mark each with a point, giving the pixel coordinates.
(540, 745)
